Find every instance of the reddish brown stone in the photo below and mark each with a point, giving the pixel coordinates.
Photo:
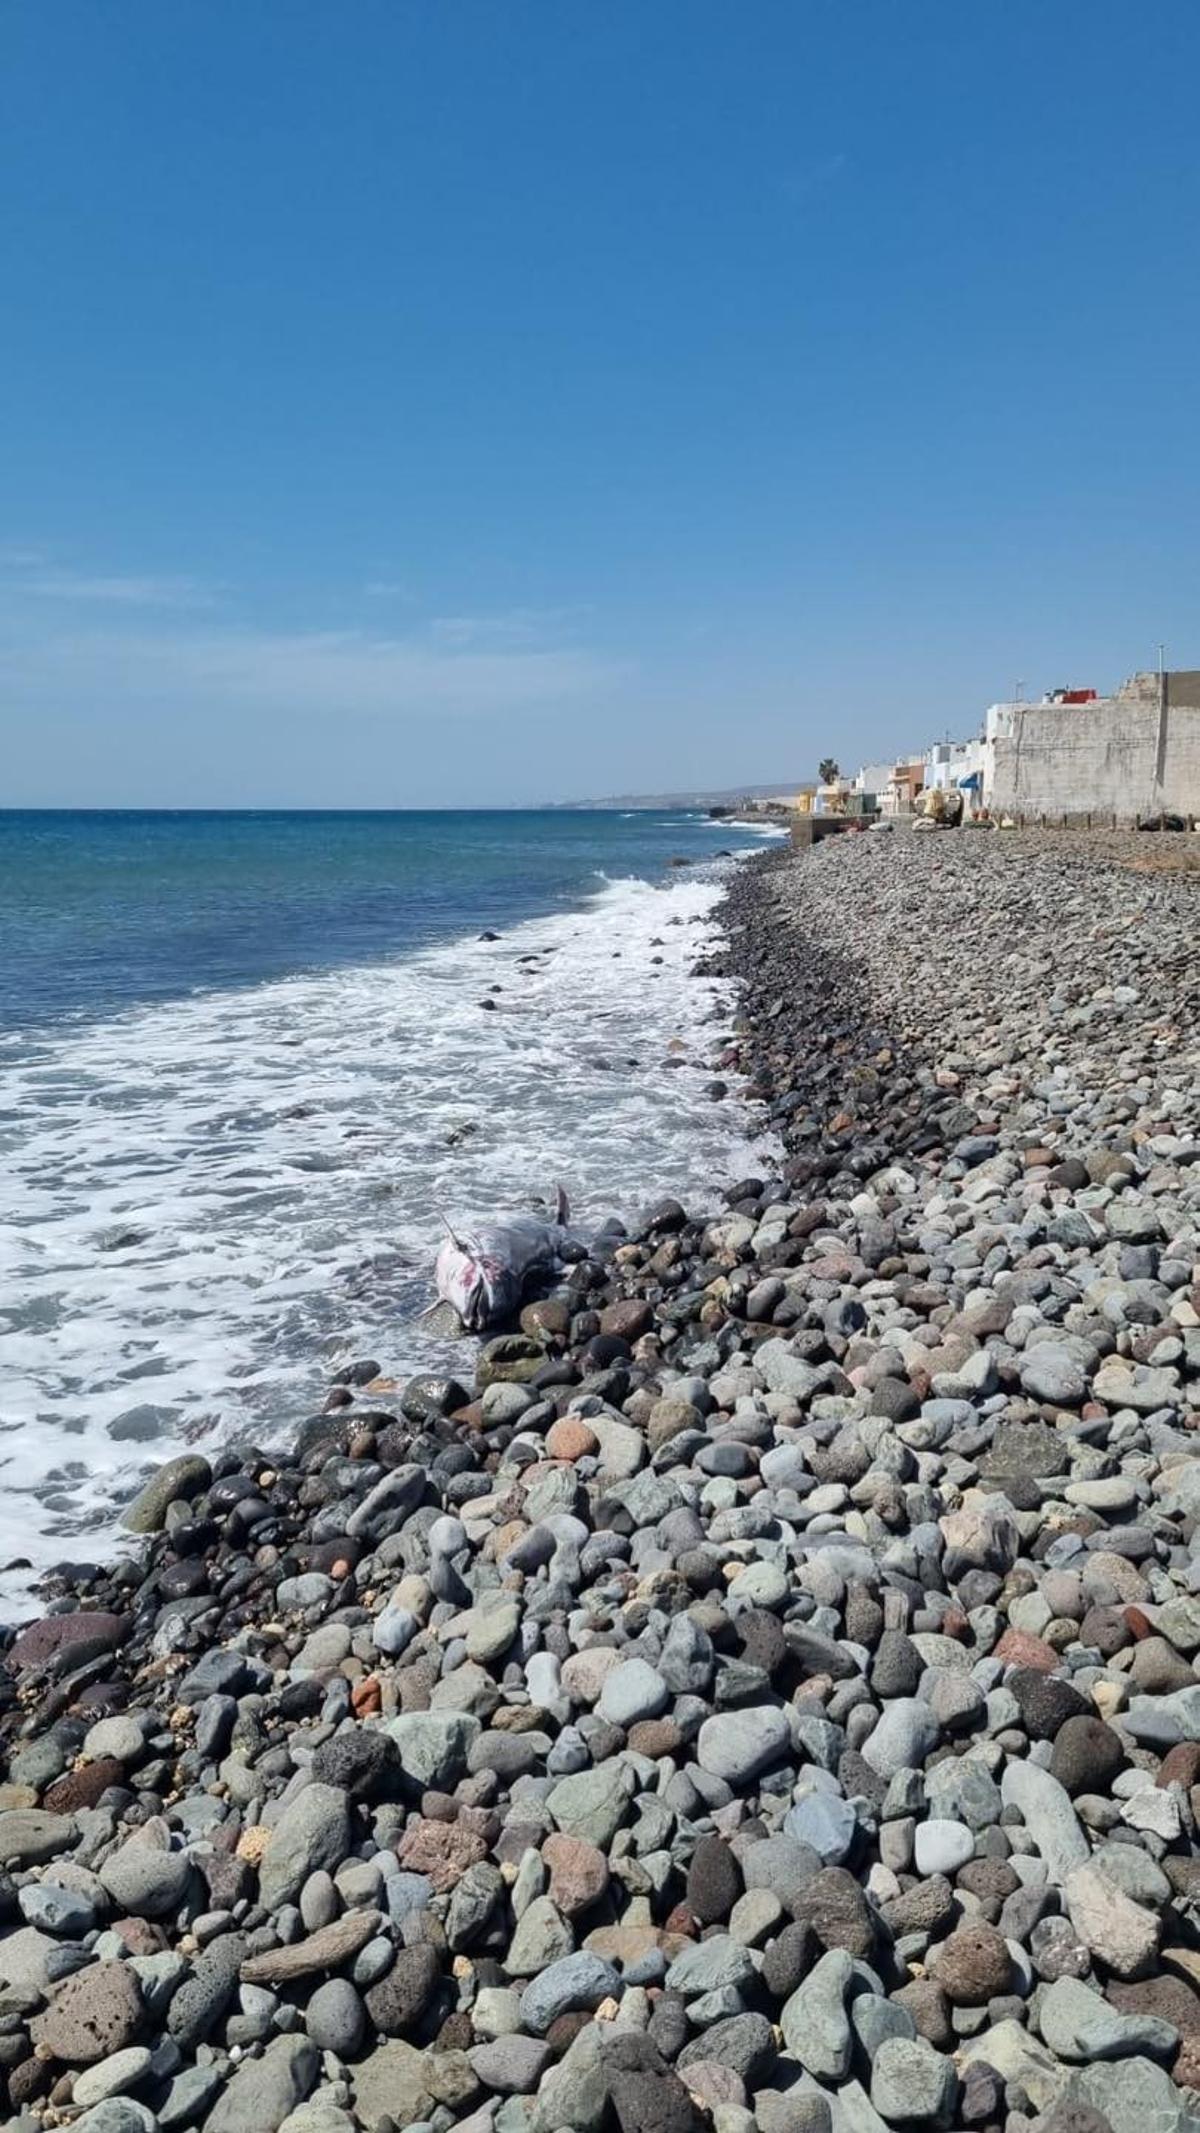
(655, 1737)
(1019, 1647)
(578, 1873)
(570, 1438)
(1170, 1999)
(549, 1319)
(972, 1966)
(82, 1788)
(140, 1935)
(626, 1319)
(680, 1921)
(455, 2034)
(442, 1850)
(564, 2029)
(1138, 1623)
(91, 2014)
(42, 1641)
(930, 2011)
(367, 1697)
(1181, 1765)
(832, 1266)
(228, 1878)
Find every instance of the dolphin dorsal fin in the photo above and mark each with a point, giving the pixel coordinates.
(562, 1206)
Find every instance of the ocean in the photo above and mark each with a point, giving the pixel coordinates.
(248, 1062)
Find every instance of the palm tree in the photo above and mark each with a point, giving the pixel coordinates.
(828, 771)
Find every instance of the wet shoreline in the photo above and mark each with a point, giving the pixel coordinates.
(765, 1693)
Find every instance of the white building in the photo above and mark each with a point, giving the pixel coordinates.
(873, 778)
(950, 765)
(999, 723)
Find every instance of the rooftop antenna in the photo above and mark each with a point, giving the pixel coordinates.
(1019, 685)
(1161, 660)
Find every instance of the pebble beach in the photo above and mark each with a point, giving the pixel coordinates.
(766, 1695)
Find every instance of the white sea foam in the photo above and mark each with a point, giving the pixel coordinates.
(205, 1206)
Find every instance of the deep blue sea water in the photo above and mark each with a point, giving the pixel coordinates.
(248, 1060)
(103, 910)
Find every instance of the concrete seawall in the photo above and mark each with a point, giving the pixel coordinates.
(1131, 755)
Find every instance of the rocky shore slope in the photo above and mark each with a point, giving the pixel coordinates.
(769, 1695)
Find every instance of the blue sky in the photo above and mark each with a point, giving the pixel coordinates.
(479, 401)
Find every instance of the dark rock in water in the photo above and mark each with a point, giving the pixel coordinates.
(361, 1373)
(665, 1218)
(178, 1478)
(432, 1395)
(141, 1425)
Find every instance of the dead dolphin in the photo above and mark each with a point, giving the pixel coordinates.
(483, 1273)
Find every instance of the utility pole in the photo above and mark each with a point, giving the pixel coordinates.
(1160, 752)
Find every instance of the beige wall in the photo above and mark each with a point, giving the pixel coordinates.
(1125, 755)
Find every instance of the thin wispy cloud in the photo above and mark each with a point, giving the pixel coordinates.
(73, 585)
(516, 626)
(33, 574)
(181, 652)
(21, 555)
(319, 672)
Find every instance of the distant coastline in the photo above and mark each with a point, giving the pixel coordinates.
(723, 796)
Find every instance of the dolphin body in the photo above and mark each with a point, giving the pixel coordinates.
(483, 1273)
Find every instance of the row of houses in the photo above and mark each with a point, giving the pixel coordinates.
(1075, 756)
